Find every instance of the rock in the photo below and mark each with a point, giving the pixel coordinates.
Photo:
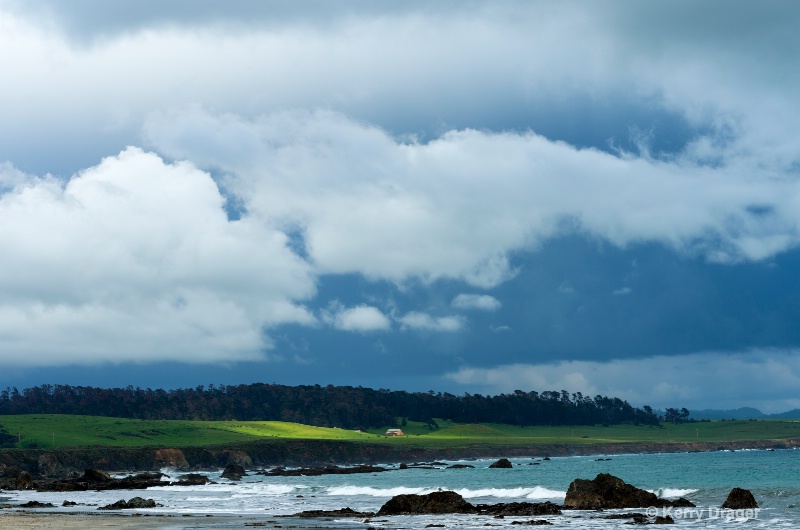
(94, 475)
(740, 499)
(519, 509)
(664, 520)
(233, 472)
(69, 503)
(192, 479)
(503, 463)
(437, 502)
(532, 522)
(173, 458)
(682, 503)
(37, 504)
(48, 465)
(135, 503)
(236, 457)
(344, 512)
(403, 466)
(24, 481)
(609, 492)
(330, 470)
(461, 466)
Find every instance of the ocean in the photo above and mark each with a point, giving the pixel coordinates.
(704, 478)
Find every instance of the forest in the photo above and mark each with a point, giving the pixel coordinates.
(327, 406)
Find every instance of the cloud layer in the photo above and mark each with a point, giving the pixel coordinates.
(394, 179)
(762, 378)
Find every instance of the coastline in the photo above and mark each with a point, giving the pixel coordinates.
(304, 453)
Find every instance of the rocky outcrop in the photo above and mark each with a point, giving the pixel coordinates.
(94, 479)
(192, 479)
(329, 470)
(450, 502)
(609, 492)
(740, 499)
(233, 472)
(173, 458)
(24, 481)
(37, 504)
(438, 502)
(344, 512)
(135, 503)
(503, 463)
(518, 509)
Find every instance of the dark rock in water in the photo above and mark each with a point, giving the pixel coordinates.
(101, 481)
(503, 463)
(664, 520)
(546, 458)
(437, 502)
(37, 504)
(95, 475)
(191, 479)
(461, 466)
(134, 503)
(403, 466)
(632, 515)
(532, 522)
(344, 512)
(24, 481)
(682, 503)
(740, 499)
(233, 472)
(69, 503)
(609, 492)
(330, 470)
(519, 509)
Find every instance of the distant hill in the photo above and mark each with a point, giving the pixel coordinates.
(743, 413)
(794, 413)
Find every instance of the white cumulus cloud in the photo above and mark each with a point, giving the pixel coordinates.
(482, 302)
(135, 260)
(362, 318)
(416, 320)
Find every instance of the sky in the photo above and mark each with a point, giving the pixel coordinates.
(462, 196)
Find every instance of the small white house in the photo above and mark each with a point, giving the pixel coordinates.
(394, 432)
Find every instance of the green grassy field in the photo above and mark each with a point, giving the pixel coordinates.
(46, 431)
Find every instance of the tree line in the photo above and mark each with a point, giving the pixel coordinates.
(328, 406)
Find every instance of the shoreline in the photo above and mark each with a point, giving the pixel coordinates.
(307, 453)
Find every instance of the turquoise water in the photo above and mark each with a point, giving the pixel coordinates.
(704, 478)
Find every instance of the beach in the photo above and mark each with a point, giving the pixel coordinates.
(36, 521)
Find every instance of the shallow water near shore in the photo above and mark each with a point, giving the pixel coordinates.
(704, 478)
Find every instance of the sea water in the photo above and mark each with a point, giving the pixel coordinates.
(704, 478)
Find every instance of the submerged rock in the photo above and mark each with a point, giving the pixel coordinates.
(330, 470)
(519, 509)
(609, 492)
(740, 499)
(503, 463)
(344, 512)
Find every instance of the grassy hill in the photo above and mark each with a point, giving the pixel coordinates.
(47, 431)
